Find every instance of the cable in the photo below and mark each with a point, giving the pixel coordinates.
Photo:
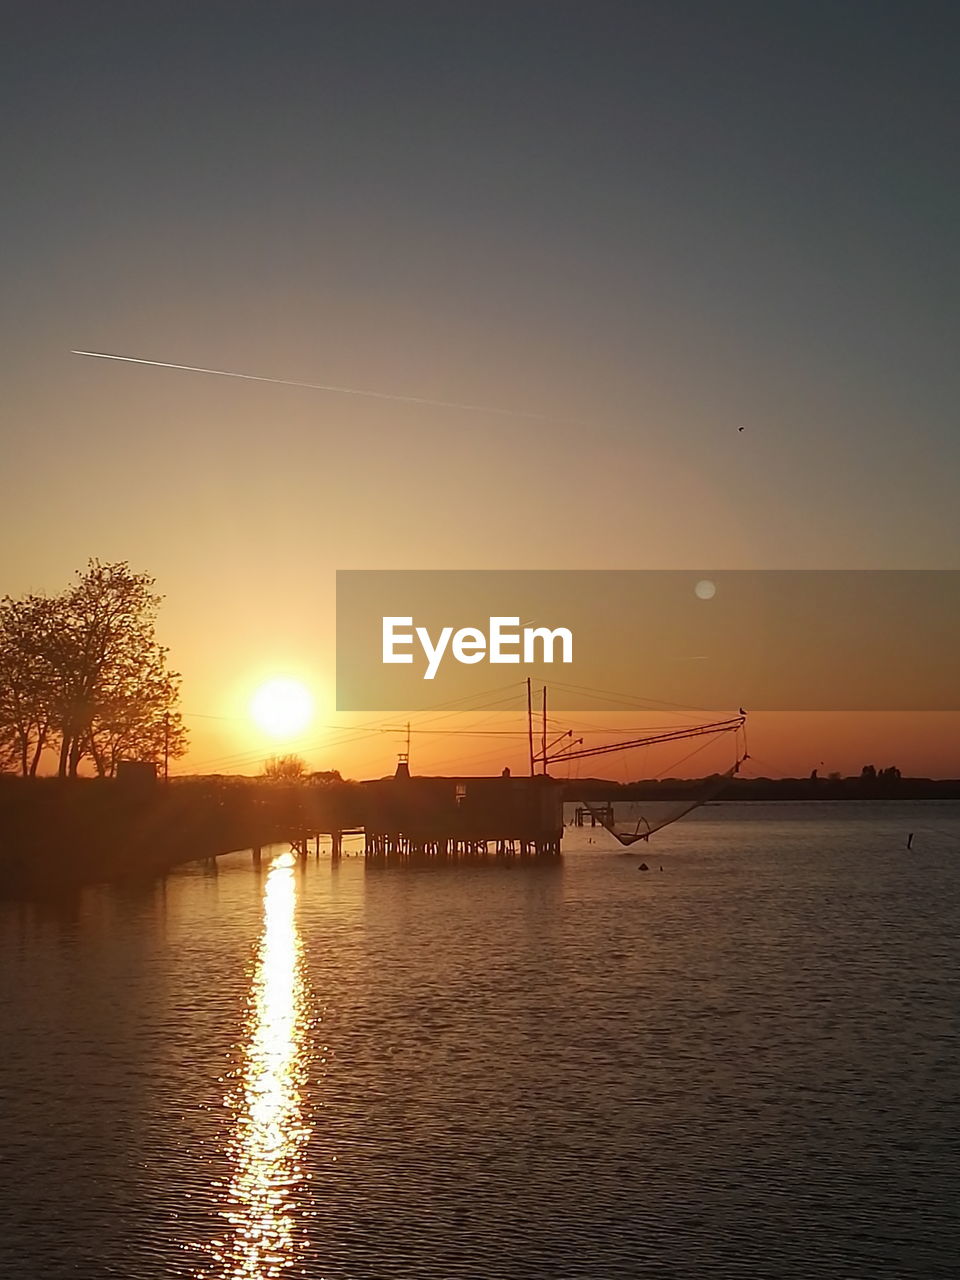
(630, 701)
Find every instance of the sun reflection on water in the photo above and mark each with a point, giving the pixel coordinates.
(269, 1130)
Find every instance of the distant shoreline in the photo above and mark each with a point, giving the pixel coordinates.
(792, 789)
(574, 790)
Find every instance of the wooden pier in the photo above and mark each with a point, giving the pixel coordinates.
(598, 814)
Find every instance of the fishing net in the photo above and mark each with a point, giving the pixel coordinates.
(658, 814)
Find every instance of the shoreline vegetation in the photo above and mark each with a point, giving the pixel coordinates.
(70, 830)
(84, 679)
(858, 787)
(863, 786)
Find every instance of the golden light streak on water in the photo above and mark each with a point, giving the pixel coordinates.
(269, 1131)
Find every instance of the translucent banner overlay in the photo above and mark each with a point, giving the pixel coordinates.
(766, 640)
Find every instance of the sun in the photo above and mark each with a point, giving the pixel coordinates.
(282, 707)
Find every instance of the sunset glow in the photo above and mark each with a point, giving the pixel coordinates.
(479, 633)
(282, 707)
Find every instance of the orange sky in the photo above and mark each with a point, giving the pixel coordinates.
(484, 741)
(603, 228)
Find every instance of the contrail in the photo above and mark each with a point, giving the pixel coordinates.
(320, 386)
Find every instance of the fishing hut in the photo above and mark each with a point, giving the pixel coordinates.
(428, 817)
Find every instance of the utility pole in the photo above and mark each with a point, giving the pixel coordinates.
(530, 723)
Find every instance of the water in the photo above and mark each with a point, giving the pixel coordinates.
(743, 1065)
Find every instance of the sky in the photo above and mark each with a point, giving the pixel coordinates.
(649, 223)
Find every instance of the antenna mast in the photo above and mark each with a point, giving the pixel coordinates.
(530, 723)
(403, 756)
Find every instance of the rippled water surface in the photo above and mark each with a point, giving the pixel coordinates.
(743, 1064)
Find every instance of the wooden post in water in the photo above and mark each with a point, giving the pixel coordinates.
(257, 856)
(336, 845)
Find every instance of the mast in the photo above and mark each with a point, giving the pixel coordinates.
(544, 732)
(530, 722)
(403, 755)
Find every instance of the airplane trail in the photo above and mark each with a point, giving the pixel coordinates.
(320, 386)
